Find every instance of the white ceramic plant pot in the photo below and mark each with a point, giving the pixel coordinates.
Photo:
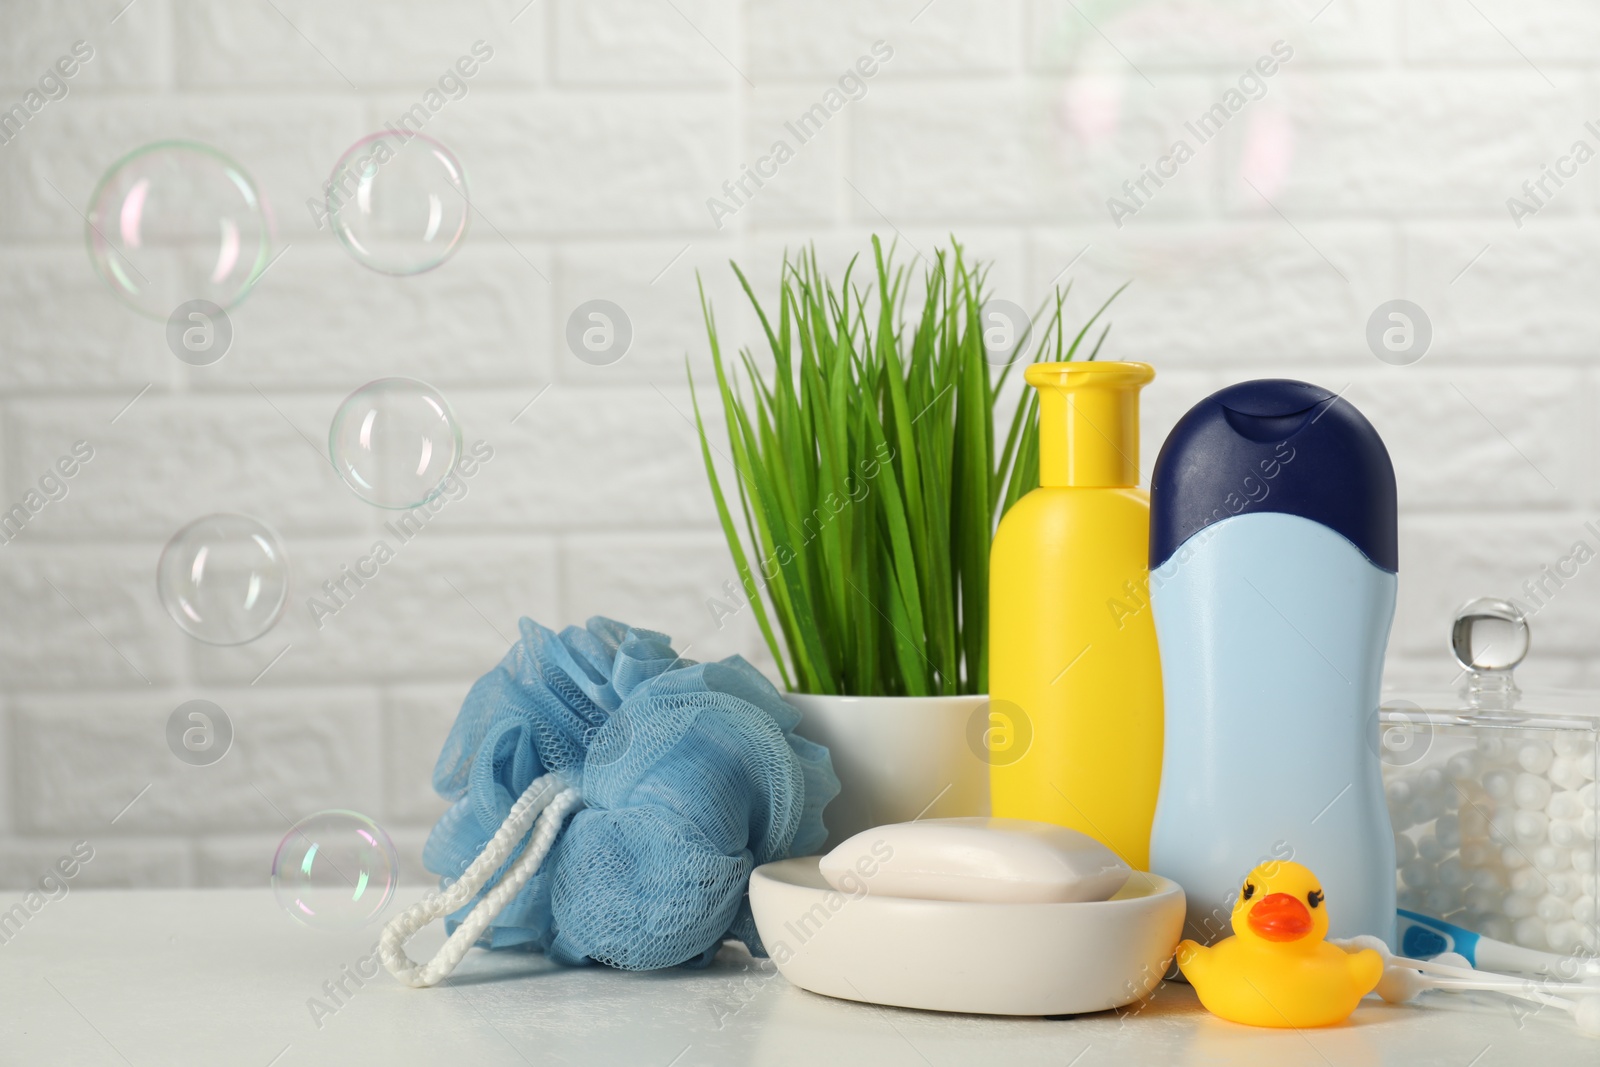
(899, 758)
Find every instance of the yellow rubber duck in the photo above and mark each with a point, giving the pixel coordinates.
(1276, 970)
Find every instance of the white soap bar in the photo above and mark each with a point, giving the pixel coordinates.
(999, 861)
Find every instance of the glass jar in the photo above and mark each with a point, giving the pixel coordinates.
(1492, 794)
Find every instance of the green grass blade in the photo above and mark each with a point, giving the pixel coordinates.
(870, 471)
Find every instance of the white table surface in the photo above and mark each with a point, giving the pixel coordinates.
(221, 977)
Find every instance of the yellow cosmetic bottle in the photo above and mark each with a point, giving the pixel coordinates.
(1074, 676)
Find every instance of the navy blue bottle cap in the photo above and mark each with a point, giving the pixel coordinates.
(1275, 445)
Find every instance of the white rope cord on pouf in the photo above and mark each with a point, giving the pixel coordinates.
(550, 798)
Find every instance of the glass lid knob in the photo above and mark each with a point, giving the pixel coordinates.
(1489, 634)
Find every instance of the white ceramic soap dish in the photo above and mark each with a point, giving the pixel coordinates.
(993, 959)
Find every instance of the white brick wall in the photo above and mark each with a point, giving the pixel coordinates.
(1386, 147)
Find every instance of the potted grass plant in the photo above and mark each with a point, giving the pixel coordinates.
(864, 476)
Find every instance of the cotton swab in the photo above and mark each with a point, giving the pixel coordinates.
(1404, 979)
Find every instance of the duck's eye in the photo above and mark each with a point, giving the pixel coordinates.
(1314, 898)
(1249, 891)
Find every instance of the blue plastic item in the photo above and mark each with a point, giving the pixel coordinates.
(691, 776)
(1273, 585)
(1423, 937)
(1226, 456)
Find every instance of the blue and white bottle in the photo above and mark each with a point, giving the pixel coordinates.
(1273, 563)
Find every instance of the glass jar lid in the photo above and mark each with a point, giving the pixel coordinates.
(1489, 638)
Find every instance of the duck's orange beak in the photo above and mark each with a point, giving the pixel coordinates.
(1280, 917)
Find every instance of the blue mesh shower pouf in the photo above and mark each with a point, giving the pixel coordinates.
(690, 775)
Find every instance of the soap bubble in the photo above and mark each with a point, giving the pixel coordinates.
(177, 221)
(335, 870)
(394, 441)
(224, 579)
(398, 202)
